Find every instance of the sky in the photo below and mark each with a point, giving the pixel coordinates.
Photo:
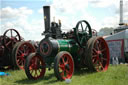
(26, 16)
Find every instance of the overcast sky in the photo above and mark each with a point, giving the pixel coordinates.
(26, 16)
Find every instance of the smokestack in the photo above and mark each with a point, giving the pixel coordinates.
(121, 12)
(46, 18)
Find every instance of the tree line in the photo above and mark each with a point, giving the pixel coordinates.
(105, 31)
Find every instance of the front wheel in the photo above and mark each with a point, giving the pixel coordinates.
(63, 66)
(34, 66)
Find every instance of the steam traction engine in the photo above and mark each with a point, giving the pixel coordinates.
(66, 51)
(13, 50)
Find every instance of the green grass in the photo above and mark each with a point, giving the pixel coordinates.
(115, 75)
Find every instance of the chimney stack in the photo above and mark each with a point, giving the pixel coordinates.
(46, 10)
(121, 12)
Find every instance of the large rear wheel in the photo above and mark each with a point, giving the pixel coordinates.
(20, 51)
(97, 54)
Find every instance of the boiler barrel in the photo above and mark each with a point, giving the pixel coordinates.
(50, 47)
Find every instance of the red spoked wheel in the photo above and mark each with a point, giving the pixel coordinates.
(97, 54)
(20, 51)
(35, 66)
(63, 66)
(11, 36)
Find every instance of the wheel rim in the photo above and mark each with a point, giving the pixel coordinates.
(22, 52)
(100, 55)
(66, 66)
(36, 67)
(11, 36)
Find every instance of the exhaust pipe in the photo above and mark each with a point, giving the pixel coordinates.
(46, 10)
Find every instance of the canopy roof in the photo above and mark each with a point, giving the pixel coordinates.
(120, 35)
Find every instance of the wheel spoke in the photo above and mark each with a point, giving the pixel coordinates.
(82, 27)
(67, 61)
(23, 61)
(15, 36)
(62, 73)
(98, 45)
(86, 27)
(20, 52)
(104, 59)
(62, 67)
(18, 57)
(63, 60)
(93, 59)
(11, 33)
(97, 66)
(39, 70)
(101, 65)
(23, 48)
(103, 50)
(35, 73)
(8, 43)
(27, 48)
(95, 62)
(67, 72)
(94, 56)
(31, 71)
(20, 62)
(95, 51)
(81, 41)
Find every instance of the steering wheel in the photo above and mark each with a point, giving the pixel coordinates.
(11, 36)
(82, 32)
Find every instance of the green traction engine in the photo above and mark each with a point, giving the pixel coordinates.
(66, 51)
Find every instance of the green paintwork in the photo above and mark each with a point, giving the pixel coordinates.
(63, 45)
(66, 45)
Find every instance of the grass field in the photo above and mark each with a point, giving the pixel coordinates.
(115, 75)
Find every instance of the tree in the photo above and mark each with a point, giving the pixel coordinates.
(105, 31)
